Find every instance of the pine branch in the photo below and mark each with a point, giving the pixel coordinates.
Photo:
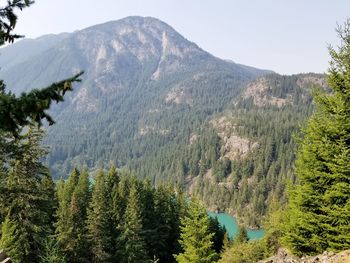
(30, 108)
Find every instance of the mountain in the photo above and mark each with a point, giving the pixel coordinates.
(145, 90)
(159, 105)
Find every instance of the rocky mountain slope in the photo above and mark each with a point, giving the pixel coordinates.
(157, 104)
(145, 88)
(257, 136)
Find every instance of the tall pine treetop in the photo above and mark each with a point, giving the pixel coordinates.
(320, 203)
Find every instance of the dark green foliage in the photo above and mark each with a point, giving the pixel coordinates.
(29, 108)
(71, 228)
(242, 235)
(131, 240)
(100, 229)
(320, 202)
(26, 202)
(219, 234)
(247, 184)
(8, 20)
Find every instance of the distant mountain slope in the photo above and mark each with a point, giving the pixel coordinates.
(146, 89)
(255, 153)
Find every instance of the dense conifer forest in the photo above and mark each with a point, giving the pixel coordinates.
(289, 175)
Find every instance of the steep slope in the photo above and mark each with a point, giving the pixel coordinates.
(146, 89)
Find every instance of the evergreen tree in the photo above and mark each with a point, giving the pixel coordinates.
(131, 242)
(49, 203)
(320, 203)
(219, 233)
(99, 227)
(71, 228)
(12, 241)
(64, 196)
(78, 245)
(242, 235)
(52, 252)
(150, 220)
(24, 202)
(196, 240)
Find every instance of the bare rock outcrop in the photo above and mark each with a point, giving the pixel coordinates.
(283, 256)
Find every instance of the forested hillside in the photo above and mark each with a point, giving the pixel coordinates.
(146, 89)
(158, 105)
(246, 162)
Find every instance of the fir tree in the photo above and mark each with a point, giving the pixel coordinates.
(99, 227)
(242, 235)
(131, 242)
(24, 202)
(219, 233)
(52, 252)
(78, 247)
(64, 195)
(196, 240)
(71, 229)
(12, 241)
(320, 203)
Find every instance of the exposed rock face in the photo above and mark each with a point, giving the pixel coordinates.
(258, 91)
(327, 257)
(234, 146)
(266, 90)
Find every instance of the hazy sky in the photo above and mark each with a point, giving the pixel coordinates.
(287, 36)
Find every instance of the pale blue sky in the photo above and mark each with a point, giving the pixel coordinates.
(285, 36)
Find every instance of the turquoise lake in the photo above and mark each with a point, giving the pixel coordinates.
(231, 226)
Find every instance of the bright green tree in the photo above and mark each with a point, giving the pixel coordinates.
(12, 240)
(52, 252)
(196, 240)
(320, 203)
(100, 232)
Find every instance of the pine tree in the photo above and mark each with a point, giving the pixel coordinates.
(131, 242)
(320, 203)
(242, 235)
(150, 220)
(49, 202)
(219, 233)
(71, 228)
(99, 228)
(12, 241)
(64, 195)
(77, 246)
(52, 252)
(196, 240)
(24, 202)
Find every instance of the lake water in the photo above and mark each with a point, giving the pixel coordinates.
(231, 226)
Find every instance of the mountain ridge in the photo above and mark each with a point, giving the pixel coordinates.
(147, 103)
